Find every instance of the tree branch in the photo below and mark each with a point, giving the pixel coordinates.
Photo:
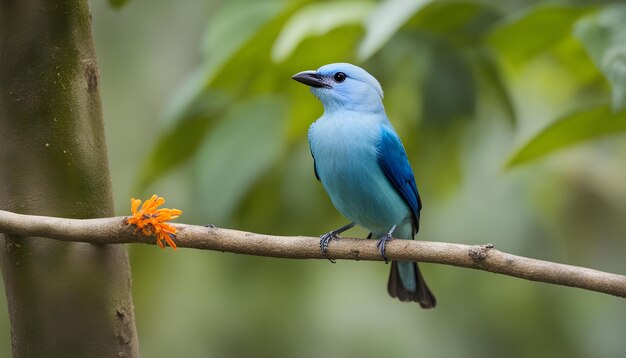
(480, 257)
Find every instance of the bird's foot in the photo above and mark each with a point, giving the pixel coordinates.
(383, 241)
(325, 240)
(381, 245)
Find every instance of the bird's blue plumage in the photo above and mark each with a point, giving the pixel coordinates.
(317, 176)
(395, 163)
(362, 165)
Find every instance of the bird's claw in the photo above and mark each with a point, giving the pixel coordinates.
(381, 245)
(324, 241)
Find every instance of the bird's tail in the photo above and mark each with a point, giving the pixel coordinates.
(407, 284)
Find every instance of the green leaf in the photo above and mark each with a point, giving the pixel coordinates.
(240, 74)
(194, 107)
(384, 21)
(571, 55)
(117, 4)
(584, 125)
(181, 141)
(315, 20)
(522, 36)
(224, 36)
(223, 39)
(461, 22)
(241, 148)
(604, 37)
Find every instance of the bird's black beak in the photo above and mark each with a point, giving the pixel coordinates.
(310, 78)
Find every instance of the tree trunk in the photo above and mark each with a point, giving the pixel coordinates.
(65, 299)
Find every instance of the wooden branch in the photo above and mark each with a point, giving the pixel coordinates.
(480, 257)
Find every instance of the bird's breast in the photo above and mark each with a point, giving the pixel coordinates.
(346, 161)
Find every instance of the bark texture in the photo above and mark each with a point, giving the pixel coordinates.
(65, 299)
(480, 257)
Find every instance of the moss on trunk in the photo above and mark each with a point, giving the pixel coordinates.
(65, 299)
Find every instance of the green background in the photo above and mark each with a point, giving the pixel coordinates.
(511, 114)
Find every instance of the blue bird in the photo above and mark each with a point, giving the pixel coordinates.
(362, 165)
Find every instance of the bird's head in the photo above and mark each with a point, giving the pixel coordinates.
(343, 86)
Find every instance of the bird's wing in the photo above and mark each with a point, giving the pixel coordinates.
(311, 150)
(315, 167)
(395, 164)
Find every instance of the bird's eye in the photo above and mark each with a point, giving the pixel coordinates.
(340, 77)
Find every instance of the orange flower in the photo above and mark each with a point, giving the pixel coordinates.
(153, 221)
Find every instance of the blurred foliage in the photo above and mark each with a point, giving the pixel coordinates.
(526, 34)
(571, 129)
(446, 47)
(117, 3)
(604, 37)
(474, 88)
